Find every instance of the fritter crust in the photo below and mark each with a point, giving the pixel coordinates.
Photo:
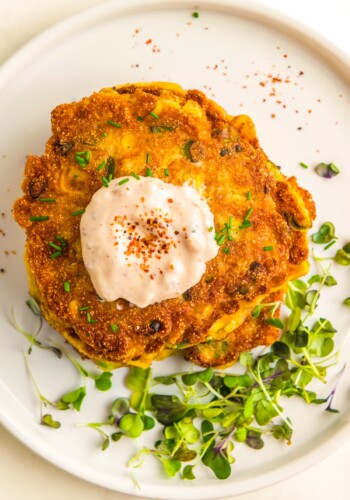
(197, 142)
(252, 333)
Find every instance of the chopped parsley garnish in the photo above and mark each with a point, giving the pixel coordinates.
(226, 250)
(304, 165)
(53, 245)
(56, 254)
(331, 243)
(110, 167)
(248, 214)
(105, 181)
(62, 240)
(101, 165)
(84, 308)
(58, 248)
(114, 327)
(123, 181)
(47, 200)
(78, 212)
(66, 286)
(245, 224)
(225, 232)
(158, 129)
(148, 172)
(268, 248)
(166, 172)
(37, 218)
(221, 239)
(135, 176)
(82, 158)
(195, 15)
(114, 124)
(152, 113)
(140, 119)
(90, 319)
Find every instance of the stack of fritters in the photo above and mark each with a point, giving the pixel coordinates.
(261, 223)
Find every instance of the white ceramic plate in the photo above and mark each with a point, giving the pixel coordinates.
(251, 61)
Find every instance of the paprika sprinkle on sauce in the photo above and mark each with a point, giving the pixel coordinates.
(146, 242)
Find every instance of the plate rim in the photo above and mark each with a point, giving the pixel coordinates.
(249, 9)
(89, 17)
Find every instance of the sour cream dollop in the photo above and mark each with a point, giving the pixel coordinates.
(145, 240)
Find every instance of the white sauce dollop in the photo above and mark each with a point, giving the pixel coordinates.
(146, 240)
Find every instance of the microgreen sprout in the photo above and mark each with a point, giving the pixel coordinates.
(32, 337)
(325, 234)
(71, 399)
(327, 171)
(203, 415)
(342, 256)
(45, 419)
(329, 398)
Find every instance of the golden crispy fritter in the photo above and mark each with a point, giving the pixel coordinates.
(252, 333)
(159, 126)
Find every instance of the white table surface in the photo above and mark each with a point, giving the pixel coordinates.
(25, 475)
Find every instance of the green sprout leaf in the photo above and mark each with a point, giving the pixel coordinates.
(171, 466)
(281, 349)
(169, 408)
(342, 256)
(120, 407)
(132, 425)
(33, 306)
(103, 381)
(187, 472)
(232, 381)
(202, 416)
(327, 171)
(165, 380)
(217, 462)
(75, 398)
(48, 420)
(246, 359)
(275, 322)
(254, 440)
(325, 234)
